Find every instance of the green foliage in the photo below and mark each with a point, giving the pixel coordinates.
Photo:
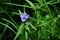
(19, 31)
(43, 22)
(7, 26)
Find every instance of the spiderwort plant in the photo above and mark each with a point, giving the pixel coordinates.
(24, 17)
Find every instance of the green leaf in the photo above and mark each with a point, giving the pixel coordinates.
(27, 28)
(17, 5)
(39, 34)
(7, 26)
(19, 11)
(31, 4)
(10, 22)
(15, 13)
(46, 6)
(9, 16)
(26, 35)
(19, 31)
(40, 1)
(32, 26)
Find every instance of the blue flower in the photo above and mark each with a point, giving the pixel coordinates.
(24, 17)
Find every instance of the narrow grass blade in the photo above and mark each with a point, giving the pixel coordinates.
(45, 23)
(27, 28)
(26, 35)
(19, 11)
(32, 26)
(31, 4)
(15, 13)
(39, 35)
(19, 31)
(58, 1)
(9, 16)
(48, 3)
(7, 26)
(49, 11)
(40, 1)
(9, 22)
(17, 5)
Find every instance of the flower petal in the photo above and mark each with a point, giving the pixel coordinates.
(24, 17)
